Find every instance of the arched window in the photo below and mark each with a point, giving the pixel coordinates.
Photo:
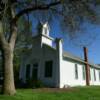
(45, 31)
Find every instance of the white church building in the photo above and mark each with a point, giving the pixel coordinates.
(48, 62)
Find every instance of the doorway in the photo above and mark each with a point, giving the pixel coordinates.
(35, 71)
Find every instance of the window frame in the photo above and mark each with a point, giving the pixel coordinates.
(84, 72)
(48, 70)
(90, 73)
(76, 72)
(28, 67)
(94, 75)
(99, 74)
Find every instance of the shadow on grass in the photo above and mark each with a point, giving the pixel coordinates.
(1, 90)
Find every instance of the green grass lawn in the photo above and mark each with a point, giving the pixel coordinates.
(76, 93)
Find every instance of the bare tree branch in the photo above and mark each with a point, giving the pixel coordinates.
(13, 29)
(35, 7)
(13, 37)
(2, 37)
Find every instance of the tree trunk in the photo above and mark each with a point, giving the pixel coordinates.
(7, 46)
(9, 87)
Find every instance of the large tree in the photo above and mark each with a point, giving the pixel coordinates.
(71, 13)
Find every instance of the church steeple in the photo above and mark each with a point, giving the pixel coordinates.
(43, 33)
(43, 28)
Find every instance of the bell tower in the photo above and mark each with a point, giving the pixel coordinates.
(43, 34)
(45, 29)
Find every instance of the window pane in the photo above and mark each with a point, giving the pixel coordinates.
(27, 71)
(76, 71)
(46, 31)
(94, 75)
(48, 68)
(90, 73)
(35, 71)
(99, 74)
(84, 74)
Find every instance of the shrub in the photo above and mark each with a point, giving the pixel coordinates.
(34, 83)
(38, 84)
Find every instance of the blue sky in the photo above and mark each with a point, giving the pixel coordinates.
(93, 37)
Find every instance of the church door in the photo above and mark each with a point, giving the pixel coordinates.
(35, 71)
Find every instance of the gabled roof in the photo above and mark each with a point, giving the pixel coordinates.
(69, 55)
(73, 57)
